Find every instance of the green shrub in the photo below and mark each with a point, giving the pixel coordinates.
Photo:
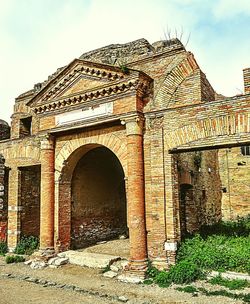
(231, 284)
(3, 248)
(27, 245)
(14, 259)
(184, 272)
(162, 279)
(151, 272)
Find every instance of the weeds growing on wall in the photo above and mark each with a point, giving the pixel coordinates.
(27, 245)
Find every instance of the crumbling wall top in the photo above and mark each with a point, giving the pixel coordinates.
(132, 51)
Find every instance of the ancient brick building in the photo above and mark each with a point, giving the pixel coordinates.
(123, 140)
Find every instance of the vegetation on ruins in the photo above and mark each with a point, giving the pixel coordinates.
(245, 297)
(222, 246)
(27, 245)
(3, 248)
(14, 259)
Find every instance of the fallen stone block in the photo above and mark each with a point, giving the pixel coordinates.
(110, 274)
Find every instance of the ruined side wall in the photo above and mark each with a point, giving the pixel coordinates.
(200, 189)
(30, 200)
(235, 179)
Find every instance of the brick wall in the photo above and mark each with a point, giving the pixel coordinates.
(3, 200)
(30, 200)
(235, 182)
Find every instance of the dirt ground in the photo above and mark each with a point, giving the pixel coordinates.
(19, 284)
(114, 247)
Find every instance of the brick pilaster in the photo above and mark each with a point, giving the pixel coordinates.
(14, 208)
(47, 193)
(246, 76)
(172, 208)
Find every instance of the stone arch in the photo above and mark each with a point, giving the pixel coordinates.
(65, 162)
(211, 131)
(111, 141)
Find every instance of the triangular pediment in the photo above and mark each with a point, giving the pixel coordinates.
(78, 76)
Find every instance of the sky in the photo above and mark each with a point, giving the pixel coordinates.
(39, 36)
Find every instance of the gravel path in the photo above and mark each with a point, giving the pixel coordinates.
(20, 284)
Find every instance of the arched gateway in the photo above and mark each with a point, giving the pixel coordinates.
(100, 150)
(93, 177)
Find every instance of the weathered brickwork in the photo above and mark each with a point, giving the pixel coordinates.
(30, 200)
(200, 189)
(235, 182)
(117, 142)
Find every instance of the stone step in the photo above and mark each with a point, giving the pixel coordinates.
(88, 259)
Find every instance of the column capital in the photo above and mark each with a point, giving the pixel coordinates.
(134, 125)
(47, 142)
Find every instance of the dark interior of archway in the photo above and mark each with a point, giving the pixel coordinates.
(98, 207)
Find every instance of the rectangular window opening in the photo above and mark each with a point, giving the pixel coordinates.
(25, 126)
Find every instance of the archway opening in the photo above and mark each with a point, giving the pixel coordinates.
(98, 199)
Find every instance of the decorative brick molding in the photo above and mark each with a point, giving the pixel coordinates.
(210, 131)
(110, 140)
(175, 77)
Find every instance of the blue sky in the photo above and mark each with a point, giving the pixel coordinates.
(38, 36)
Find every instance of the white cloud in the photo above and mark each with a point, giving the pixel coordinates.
(37, 37)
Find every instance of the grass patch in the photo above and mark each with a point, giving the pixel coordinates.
(240, 296)
(188, 289)
(181, 273)
(231, 284)
(14, 259)
(223, 246)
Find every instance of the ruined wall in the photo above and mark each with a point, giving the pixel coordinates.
(235, 179)
(30, 200)
(98, 206)
(4, 130)
(200, 189)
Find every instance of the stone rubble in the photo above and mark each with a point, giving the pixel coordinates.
(37, 262)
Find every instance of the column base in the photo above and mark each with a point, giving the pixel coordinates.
(135, 272)
(43, 254)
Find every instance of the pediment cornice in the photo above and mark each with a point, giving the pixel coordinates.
(76, 69)
(140, 85)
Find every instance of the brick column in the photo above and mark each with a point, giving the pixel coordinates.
(14, 208)
(135, 198)
(47, 194)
